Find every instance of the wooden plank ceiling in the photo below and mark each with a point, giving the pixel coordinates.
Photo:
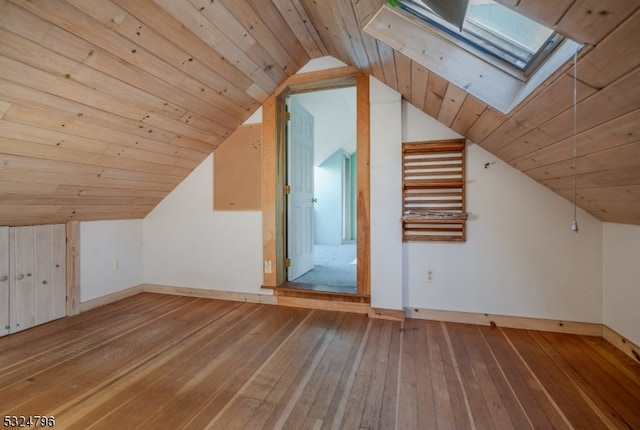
(106, 105)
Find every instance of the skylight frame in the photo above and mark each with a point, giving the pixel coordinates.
(479, 39)
(492, 81)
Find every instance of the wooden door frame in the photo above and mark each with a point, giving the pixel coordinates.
(73, 268)
(274, 170)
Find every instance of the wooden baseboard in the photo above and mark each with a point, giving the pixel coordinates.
(540, 324)
(110, 298)
(387, 314)
(621, 342)
(327, 305)
(210, 294)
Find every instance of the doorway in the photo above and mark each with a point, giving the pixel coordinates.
(273, 165)
(321, 211)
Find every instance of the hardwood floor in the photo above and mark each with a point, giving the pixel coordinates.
(171, 362)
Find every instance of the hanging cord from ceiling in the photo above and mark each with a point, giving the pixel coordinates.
(574, 226)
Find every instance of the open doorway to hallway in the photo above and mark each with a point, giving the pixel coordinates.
(321, 206)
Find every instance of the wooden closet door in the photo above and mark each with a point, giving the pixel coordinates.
(4, 281)
(49, 297)
(37, 273)
(50, 272)
(22, 292)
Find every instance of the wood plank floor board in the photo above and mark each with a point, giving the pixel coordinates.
(165, 376)
(507, 401)
(525, 386)
(474, 387)
(576, 410)
(487, 406)
(237, 374)
(426, 413)
(393, 391)
(450, 384)
(581, 384)
(298, 368)
(313, 395)
(92, 355)
(68, 329)
(335, 413)
(616, 397)
(628, 366)
(373, 410)
(443, 408)
(355, 401)
(408, 401)
(327, 384)
(100, 366)
(161, 361)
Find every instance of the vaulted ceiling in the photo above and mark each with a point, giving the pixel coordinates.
(106, 105)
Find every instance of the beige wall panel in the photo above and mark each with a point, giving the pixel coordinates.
(236, 171)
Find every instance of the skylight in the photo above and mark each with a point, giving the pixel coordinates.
(491, 28)
(486, 49)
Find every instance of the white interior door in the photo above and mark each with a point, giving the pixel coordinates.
(4, 281)
(300, 200)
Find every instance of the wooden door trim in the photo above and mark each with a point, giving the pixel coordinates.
(73, 268)
(274, 168)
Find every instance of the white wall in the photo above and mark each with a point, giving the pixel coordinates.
(622, 279)
(110, 257)
(328, 190)
(386, 197)
(187, 244)
(520, 257)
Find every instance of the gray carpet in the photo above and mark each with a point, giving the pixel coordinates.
(334, 265)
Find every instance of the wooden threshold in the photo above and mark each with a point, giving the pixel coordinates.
(325, 297)
(318, 291)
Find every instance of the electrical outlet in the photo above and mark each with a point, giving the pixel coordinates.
(116, 265)
(429, 276)
(267, 266)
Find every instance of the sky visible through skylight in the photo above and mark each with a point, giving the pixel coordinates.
(509, 24)
(489, 27)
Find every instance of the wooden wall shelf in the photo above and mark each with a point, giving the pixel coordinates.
(433, 192)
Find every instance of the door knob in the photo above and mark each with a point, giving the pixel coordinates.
(314, 200)
(3, 278)
(20, 276)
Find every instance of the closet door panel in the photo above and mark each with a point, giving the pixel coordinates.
(4, 281)
(22, 267)
(43, 271)
(59, 270)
